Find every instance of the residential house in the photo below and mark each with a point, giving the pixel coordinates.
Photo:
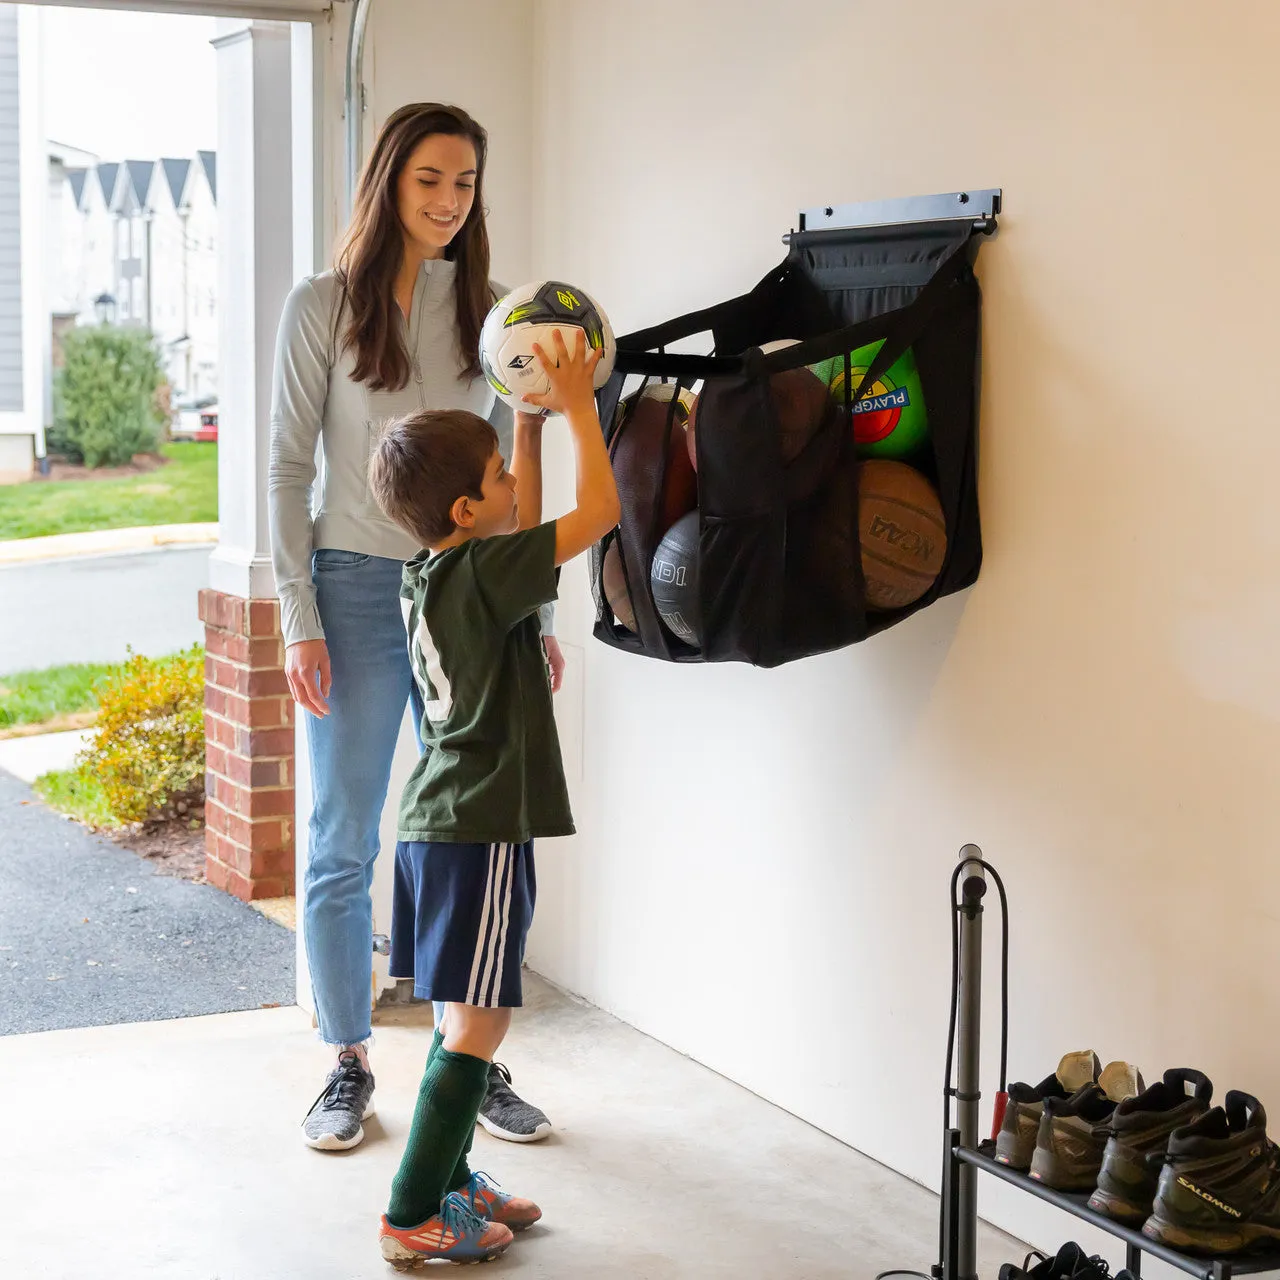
(24, 312)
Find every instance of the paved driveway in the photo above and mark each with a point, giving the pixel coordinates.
(90, 934)
(91, 608)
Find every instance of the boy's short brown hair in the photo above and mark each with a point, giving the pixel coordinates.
(424, 463)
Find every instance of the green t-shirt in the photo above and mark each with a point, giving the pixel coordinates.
(490, 771)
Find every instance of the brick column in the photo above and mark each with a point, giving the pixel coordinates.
(248, 724)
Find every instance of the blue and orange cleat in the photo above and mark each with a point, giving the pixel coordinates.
(485, 1200)
(455, 1234)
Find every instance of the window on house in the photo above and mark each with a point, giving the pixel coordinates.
(136, 224)
(139, 311)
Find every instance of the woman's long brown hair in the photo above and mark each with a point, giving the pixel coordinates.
(372, 250)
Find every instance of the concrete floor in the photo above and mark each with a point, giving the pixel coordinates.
(170, 1151)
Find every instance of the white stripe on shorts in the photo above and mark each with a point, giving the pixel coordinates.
(491, 941)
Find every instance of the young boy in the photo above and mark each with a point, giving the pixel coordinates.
(490, 778)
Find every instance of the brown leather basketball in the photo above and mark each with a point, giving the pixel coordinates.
(801, 403)
(615, 587)
(902, 531)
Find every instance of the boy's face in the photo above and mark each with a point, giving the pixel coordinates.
(497, 511)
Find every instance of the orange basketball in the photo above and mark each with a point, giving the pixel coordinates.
(902, 531)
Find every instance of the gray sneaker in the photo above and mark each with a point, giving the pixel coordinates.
(507, 1116)
(333, 1123)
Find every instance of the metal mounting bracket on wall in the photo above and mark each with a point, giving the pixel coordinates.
(978, 207)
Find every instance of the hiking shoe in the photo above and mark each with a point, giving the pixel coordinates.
(333, 1123)
(1016, 1141)
(1073, 1134)
(1069, 1263)
(506, 1115)
(1219, 1190)
(1140, 1129)
(485, 1200)
(455, 1234)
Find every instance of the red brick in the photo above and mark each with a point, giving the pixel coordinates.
(265, 743)
(269, 773)
(264, 651)
(215, 757)
(215, 700)
(264, 833)
(275, 887)
(271, 862)
(264, 681)
(227, 612)
(220, 730)
(258, 802)
(240, 886)
(288, 772)
(216, 872)
(264, 618)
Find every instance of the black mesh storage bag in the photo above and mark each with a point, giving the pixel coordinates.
(779, 562)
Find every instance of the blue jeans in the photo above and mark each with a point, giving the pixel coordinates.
(358, 597)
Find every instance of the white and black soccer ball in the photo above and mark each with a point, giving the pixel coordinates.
(532, 313)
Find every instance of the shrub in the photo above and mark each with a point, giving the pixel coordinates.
(107, 406)
(148, 749)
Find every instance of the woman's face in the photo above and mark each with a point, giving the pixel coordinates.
(436, 189)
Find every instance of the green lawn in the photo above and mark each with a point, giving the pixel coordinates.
(52, 695)
(37, 697)
(77, 793)
(184, 491)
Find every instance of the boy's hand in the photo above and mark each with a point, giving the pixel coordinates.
(555, 661)
(571, 375)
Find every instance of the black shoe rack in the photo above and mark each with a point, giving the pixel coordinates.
(964, 1156)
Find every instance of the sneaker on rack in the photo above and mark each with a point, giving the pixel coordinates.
(1016, 1141)
(1219, 1190)
(1140, 1130)
(1073, 1135)
(1069, 1263)
(508, 1116)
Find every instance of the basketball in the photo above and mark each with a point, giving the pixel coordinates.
(532, 313)
(673, 579)
(647, 414)
(801, 401)
(614, 582)
(902, 531)
(891, 421)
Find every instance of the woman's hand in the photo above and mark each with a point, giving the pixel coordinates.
(306, 666)
(555, 660)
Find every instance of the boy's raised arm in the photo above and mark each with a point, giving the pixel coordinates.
(571, 394)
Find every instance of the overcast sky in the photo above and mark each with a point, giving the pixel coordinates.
(130, 86)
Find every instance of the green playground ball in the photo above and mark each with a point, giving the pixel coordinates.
(890, 422)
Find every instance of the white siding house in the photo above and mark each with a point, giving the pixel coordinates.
(24, 312)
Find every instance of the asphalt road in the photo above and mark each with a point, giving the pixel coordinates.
(90, 934)
(92, 608)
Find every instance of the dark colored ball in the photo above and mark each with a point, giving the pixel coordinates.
(673, 578)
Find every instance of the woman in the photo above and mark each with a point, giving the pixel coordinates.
(393, 329)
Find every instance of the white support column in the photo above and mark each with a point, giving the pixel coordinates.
(255, 272)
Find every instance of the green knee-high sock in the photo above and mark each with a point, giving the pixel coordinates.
(462, 1170)
(449, 1099)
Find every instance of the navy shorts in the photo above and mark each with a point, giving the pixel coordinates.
(460, 914)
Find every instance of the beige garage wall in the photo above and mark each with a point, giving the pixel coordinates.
(760, 874)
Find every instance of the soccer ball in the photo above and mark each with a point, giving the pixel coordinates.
(531, 314)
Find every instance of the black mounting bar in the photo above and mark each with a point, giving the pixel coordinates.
(905, 214)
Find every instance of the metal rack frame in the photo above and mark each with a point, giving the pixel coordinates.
(964, 1156)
